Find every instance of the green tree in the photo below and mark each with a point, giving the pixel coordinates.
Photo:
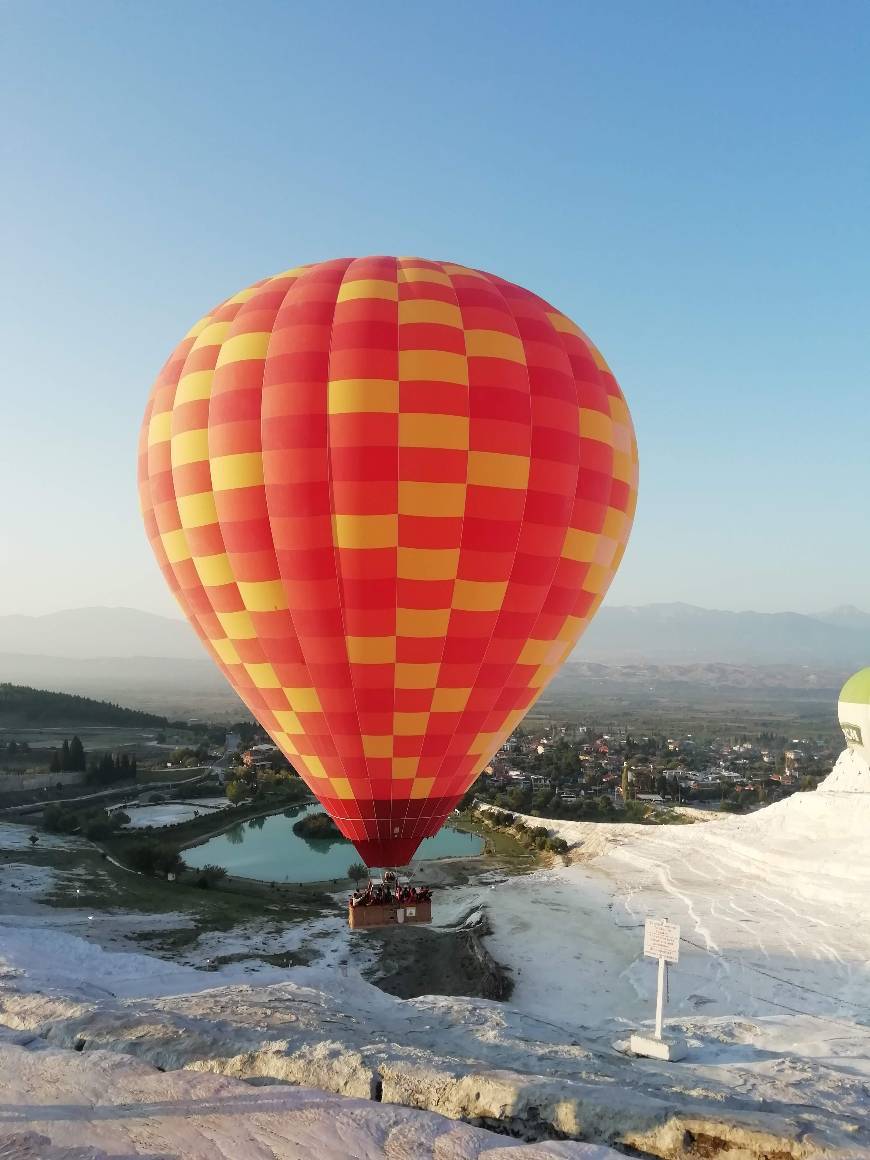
(77, 759)
(96, 829)
(237, 791)
(317, 825)
(468, 801)
(520, 800)
(542, 800)
(59, 820)
(356, 871)
(168, 860)
(149, 857)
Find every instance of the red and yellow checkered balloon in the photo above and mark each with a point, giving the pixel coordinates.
(389, 494)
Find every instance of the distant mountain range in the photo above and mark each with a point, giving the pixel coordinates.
(157, 663)
(649, 634)
(117, 654)
(685, 634)
(83, 633)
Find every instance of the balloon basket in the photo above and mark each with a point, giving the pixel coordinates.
(370, 917)
(397, 905)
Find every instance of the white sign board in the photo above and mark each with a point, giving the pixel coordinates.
(661, 940)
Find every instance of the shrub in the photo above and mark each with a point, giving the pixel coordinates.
(59, 820)
(209, 876)
(96, 825)
(96, 829)
(295, 789)
(149, 857)
(140, 856)
(634, 812)
(168, 860)
(317, 825)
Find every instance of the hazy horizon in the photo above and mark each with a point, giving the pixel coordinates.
(174, 613)
(653, 632)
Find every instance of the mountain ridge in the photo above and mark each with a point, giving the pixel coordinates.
(689, 634)
(99, 631)
(662, 633)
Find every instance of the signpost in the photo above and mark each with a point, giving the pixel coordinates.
(661, 940)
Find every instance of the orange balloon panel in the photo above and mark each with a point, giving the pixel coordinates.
(389, 494)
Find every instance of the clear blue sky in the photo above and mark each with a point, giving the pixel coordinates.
(688, 181)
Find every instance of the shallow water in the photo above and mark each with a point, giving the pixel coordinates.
(267, 848)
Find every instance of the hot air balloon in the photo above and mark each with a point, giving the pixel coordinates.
(853, 710)
(389, 494)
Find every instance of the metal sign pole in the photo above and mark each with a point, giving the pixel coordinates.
(660, 998)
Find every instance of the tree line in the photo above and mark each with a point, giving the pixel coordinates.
(37, 705)
(70, 756)
(104, 769)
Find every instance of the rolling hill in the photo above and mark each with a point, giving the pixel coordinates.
(650, 634)
(156, 663)
(685, 634)
(99, 632)
(26, 706)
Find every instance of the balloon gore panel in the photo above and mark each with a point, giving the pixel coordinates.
(389, 494)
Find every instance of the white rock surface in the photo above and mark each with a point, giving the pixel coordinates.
(771, 993)
(169, 813)
(57, 1105)
(851, 774)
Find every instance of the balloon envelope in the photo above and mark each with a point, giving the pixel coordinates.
(853, 710)
(389, 494)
